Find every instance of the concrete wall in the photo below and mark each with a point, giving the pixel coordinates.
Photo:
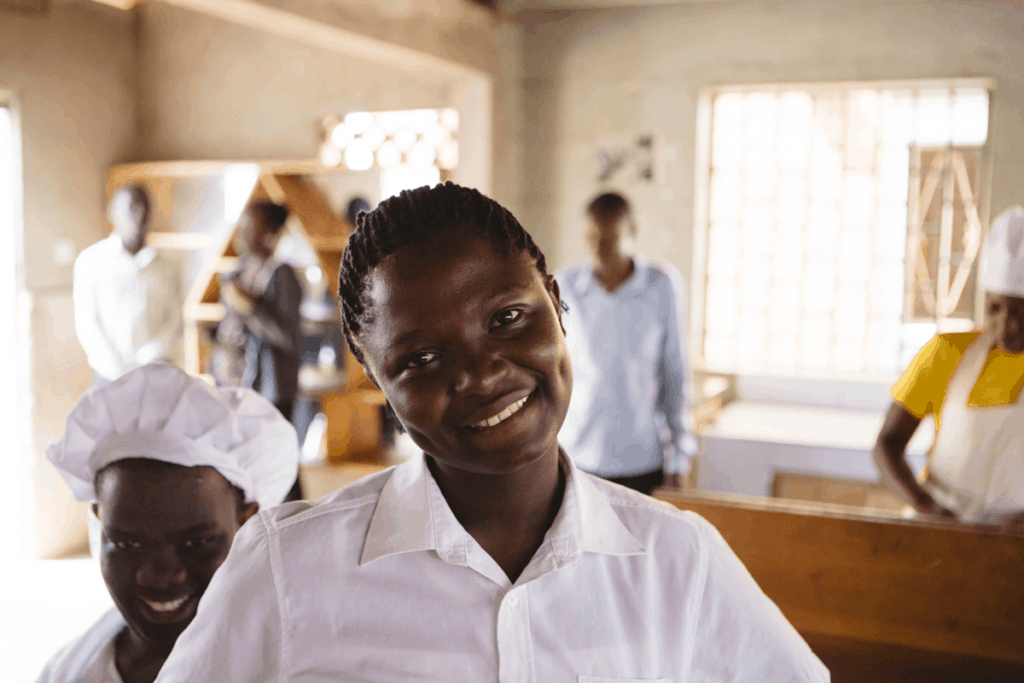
(72, 72)
(595, 74)
(453, 31)
(212, 89)
(509, 140)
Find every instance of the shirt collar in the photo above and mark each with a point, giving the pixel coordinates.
(412, 515)
(589, 281)
(141, 259)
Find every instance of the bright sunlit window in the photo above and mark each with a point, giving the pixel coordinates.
(807, 221)
(410, 148)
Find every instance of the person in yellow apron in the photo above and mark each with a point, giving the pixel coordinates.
(971, 382)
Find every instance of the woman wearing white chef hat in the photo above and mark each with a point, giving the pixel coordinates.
(972, 383)
(173, 468)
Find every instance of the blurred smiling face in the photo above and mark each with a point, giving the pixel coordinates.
(1004, 316)
(466, 342)
(166, 530)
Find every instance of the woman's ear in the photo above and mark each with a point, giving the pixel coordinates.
(245, 512)
(556, 298)
(369, 376)
(96, 509)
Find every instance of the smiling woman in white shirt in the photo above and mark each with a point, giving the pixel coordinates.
(490, 557)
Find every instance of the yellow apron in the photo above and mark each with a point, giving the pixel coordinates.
(976, 467)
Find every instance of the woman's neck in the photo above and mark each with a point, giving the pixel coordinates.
(137, 660)
(508, 514)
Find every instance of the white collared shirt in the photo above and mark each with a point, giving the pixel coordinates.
(89, 658)
(379, 582)
(127, 307)
(630, 373)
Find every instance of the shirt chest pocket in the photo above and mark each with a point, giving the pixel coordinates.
(602, 679)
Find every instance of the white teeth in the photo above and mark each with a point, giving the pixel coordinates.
(503, 415)
(166, 606)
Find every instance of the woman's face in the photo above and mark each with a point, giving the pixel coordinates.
(1004, 316)
(166, 530)
(467, 344)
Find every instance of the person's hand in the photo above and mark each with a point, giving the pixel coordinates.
(236, 297)
(930, 507)
(1014, 520)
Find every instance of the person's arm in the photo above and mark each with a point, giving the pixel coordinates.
(99, 348)
(743, 636)
(890, 456)
(674, 374)
(237, 633)
(275, 316)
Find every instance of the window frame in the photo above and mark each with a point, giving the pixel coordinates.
(702, 198)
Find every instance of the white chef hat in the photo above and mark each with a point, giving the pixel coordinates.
(159, 411)
(1002, 270)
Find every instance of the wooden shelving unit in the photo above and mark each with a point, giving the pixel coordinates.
(353, 413)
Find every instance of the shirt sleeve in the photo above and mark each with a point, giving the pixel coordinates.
(674, 373)
(923, 384)
(743, 636)
(237, 632)
(99, 349)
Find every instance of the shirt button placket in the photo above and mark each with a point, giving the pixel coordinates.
(515, 647)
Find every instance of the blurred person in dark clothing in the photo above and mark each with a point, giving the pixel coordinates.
(260, 338)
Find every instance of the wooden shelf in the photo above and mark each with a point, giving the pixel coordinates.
(204, 313)
(185, 241)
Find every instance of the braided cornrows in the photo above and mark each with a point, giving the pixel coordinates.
(417, 216)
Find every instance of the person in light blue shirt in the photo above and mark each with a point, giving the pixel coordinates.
(625, 325)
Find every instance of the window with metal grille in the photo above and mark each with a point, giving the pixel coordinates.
(842, 222)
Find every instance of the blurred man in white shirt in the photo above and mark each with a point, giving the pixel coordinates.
(127, 296)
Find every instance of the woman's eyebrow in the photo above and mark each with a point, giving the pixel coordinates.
(517, 290)
(198, 529)
(401, 340)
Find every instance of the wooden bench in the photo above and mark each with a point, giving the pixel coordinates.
(880, 598)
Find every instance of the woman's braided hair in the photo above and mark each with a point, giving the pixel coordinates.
(414, 217)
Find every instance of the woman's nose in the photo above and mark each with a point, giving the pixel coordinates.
(477, 374)
(160, 570)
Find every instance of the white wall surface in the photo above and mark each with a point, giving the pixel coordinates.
(211, 89)
(72, 72)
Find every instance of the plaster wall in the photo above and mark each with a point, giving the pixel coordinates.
(72, 74)
(453, 31)
(509, 140)
(212, 89)
(596, 74)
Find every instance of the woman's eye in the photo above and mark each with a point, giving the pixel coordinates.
(508, 317)
(128, 545)
(199, 543)
(420, 359)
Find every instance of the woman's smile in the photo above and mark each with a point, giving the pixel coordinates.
(510, 409)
